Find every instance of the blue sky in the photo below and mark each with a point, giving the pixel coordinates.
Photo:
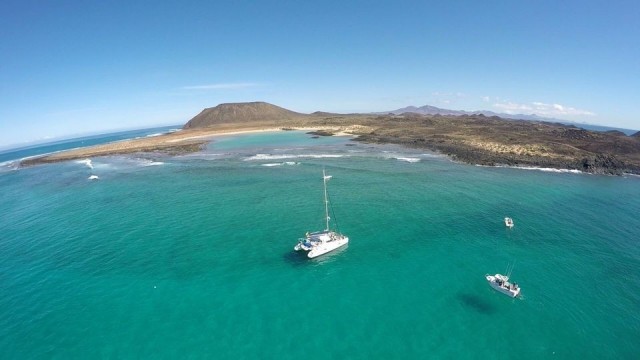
(73, 67)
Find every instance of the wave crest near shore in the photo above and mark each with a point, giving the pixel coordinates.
(290, 156)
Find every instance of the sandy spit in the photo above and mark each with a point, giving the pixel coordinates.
(182, 141)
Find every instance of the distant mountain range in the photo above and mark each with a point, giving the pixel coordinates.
(433, 110)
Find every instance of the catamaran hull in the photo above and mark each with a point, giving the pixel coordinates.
(323, 248)
(327, 247)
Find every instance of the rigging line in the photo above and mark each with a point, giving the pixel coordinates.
(335, 220)
(322, 207)
(510, 268)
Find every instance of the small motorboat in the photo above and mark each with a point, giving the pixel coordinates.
(501, 283)
(508, 222)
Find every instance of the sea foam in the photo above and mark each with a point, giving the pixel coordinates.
(290, 156)
(408, 159)
(570, 171)
(145, 162)
(553, 170)
(86, 162)
(289, 163)
(10, 165)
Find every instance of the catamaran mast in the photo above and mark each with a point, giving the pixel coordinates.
(326, 201)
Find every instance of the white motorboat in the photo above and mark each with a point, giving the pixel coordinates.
(508, 222)
(501, 283)
(322, 242)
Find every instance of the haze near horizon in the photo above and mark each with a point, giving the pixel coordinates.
(77, 67)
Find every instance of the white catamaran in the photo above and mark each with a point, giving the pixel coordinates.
(322, 242)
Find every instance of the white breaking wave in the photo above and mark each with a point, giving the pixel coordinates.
(86, 162)
(93, 177)
(11, 165)
(121, 163)
(282, 163)
(269, 157)
(408, 159)
(124, 162)
(290, 156)
(151, 163)
(571, 171)
(565, 171)
(203, 156)
(432, 155)
(153, 135)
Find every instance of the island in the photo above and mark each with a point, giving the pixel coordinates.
(473, 139)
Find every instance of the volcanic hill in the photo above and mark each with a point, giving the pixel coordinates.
(241, 113)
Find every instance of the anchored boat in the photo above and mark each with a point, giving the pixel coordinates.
(501, 283)
(508, 222)
(322, 242)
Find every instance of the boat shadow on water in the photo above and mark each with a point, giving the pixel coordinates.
(295, 258)
(476, 303)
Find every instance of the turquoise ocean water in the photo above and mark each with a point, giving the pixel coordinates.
(192, 256)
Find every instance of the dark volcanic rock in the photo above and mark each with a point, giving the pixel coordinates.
(603, 164)
(320, 133)
(577, 134)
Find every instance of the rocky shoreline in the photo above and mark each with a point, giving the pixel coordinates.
(605, 164)
(472, 139)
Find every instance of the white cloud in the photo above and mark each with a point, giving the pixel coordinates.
(222, 86)
(511, 107)
(486, 99)
(445, 94)
(540, 108)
